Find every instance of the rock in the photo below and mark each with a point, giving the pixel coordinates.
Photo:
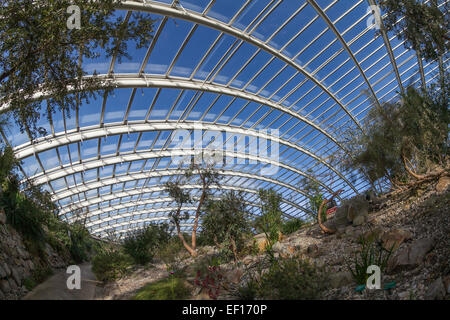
(447, 284)
(2, 296)
(16, 276)
(443, 184)
(394, 238)
(12, 284)
(208, 250)
(234, 275)
(411, 256)
(313, 251)
(2, 272)
(7, 269)
(4, 286)
(278, 247)
(340, 279)
(403, 295)
(436, 291)
(359, 220)
(2, 217)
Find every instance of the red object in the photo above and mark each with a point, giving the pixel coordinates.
(332, 210)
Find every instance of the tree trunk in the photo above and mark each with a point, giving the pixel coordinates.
(197, 214)
(233, 246)
(319, 215)
(410, 172)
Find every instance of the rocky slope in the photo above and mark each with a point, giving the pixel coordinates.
(416, 225)
(17, 263)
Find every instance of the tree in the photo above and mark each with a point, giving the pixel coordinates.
(405, 142)
(312, 189)
(207, 176)
(270, 221)
(225, 222)
(40, 54)
(142, 244)
(424, 28)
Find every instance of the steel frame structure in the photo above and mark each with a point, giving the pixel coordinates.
(311, 101)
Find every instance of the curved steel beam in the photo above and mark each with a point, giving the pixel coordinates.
(330, 24)
(192, 16)
(148, 81)
(160, 188)
(93, 217)
(158, 173)
(95, 163)
(64, 138)
(388, 46)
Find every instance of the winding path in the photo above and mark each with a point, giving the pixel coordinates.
(55, 288)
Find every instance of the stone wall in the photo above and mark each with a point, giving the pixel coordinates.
(18, 264)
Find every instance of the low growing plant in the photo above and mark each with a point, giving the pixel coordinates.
(110, 264)
(371, 253)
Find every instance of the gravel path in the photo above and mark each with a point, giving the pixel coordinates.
(55, 288)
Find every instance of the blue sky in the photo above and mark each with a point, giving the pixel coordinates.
(265, 76)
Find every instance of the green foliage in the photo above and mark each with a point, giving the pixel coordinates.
(225, 222)
(424, 26)
(312, 189)
(172, 288)
(170, 254)
(291, 226)
(110, 263)
(371, 253)
(142, 244)
(39, 275)
(408, 134)
(81, 242)
(205, 175)
(37, 50)
(27, 211)
(270, 221)
(286, 279)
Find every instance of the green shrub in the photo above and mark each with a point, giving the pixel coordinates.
(371, 253)
(142, 244)
(286, 279)
(172, 288)
(225, 223)
(21, 212)
(38, 275)
(110, 264)
(270, 220)
(291, 226)
(80, 242)
(171, 254)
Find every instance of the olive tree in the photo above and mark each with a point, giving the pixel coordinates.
(206, 176)
(225, 222)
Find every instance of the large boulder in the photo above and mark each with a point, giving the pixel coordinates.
(352, 211)
(411, 256)
(394, 238)
(4, 286)
(443, 184)
(436, 291)
(2, 217)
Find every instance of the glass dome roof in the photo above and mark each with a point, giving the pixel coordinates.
(293, 73)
